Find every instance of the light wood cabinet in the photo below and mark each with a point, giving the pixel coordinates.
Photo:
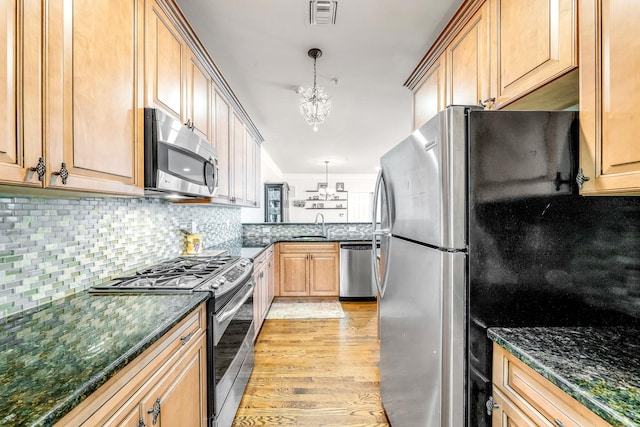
(93, 53)
(239, 162)
(21, 92)
(609, 88)
(172, 370)
(525, 397)
(222, 143)
(467, 62)
(512, 54)
(308, 269)
(534, 43)
(251, 169)
(177, 81)
(263, 294)
(429, 95)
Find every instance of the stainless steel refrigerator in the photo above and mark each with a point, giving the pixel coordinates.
(434, 188)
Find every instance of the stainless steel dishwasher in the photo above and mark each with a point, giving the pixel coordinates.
(356, 279)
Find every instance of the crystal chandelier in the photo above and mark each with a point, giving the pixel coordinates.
(326, 191)
(315, 104)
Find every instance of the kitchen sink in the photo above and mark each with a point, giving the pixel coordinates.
(318, 237)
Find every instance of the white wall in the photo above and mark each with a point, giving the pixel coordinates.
(353, 183)
(358, 186)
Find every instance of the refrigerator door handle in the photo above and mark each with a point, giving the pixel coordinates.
(374, 238)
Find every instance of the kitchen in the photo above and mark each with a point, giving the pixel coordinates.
(57, 242)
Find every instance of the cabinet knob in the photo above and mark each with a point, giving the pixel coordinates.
(141, 423)
(491, 405)
(558, 422)
(581, 178)
(62, 173)
(40, 169)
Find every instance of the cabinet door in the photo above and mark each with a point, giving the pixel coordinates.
(323, 274)
(250, 172)
(179, 397)
(429, 95)
(294, 274)
(20, 91)
(166, 53)
(609, 58)
(535, 41)
(94, 97)
(199, 102)
(239, 162)
(467, 62)
(222, 143)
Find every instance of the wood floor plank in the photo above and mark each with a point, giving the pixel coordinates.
(316, 372)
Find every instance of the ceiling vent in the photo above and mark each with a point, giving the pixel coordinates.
(322, 12)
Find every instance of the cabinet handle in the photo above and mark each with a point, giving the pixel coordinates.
(62, 173)
(581, 178)
(491, 405)
(189, 124)
(186, 338)
(558, 422)
(487, 102)
(141, 423)
(155, 411)
(40, 169)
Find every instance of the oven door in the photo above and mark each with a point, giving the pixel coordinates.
(232, 352)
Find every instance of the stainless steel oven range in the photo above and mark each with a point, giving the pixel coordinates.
(229, 319)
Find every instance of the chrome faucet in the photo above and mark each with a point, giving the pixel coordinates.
(324, 227)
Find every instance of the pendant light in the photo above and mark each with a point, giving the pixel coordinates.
(327, 191)
(315, 104)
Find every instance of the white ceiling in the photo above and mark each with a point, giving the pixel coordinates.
(261, 48)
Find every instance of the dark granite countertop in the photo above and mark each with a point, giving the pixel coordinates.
(53, 358)
(598, 366)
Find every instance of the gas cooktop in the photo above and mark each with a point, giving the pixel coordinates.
(183, 274)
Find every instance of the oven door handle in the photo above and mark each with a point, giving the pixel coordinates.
(233, 310)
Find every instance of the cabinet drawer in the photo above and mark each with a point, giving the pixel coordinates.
(537, 396)
(308, 247)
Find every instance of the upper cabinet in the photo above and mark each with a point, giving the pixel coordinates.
(429, 94)
(76, 76)
(536, 42)
(93, 103)
(21, 93)
(501, 54)
(609, 58)
(60, 130)
(467, 62)
(177, 81)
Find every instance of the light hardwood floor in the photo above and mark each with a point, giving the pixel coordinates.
(318, 372)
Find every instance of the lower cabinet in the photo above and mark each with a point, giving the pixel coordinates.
(309, 269)
(263, 295)
(164, 386)
(522, 397)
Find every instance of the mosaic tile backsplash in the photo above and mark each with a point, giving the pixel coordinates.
(260, 234)
(50, 248)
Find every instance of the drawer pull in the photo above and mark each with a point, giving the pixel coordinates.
(155, 411)
(186, 339)
(141, 423)
(558, 422)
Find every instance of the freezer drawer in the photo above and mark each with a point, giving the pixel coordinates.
(356, 274)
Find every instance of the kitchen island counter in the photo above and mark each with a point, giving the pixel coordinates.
(54, 357)
(597, 366)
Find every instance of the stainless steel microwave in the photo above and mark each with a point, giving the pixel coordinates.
(176, 160)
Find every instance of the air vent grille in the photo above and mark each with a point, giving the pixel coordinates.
(322, 12)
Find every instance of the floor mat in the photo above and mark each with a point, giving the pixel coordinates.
(305, 310)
